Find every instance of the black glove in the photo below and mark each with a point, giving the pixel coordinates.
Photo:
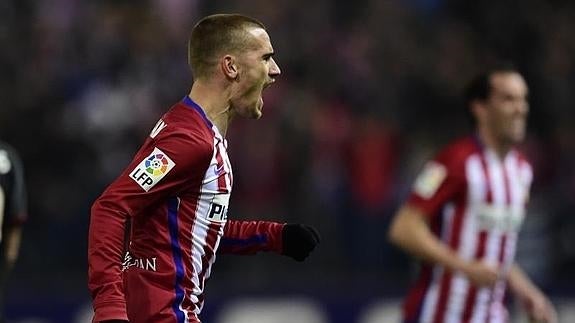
(299, 240)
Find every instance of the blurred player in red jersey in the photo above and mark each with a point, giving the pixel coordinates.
(177, 188)
(13, 213)
(465, 210)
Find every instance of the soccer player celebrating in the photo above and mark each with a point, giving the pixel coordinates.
(177, 188)
(465, 210)
(13, 213)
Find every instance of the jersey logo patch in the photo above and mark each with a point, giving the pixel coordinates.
(152, 169)
(430, 179)
(501, 218)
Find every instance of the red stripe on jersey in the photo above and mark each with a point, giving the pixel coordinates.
(445, 286)
(454, 241)
(507, 185)
(480, 251)
(498, 294)
(472, 293)
(503, 246)
(486, 175)
(503, 243)
(222, 187)
(412, 306)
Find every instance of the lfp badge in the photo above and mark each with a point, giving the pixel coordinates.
(152, 169)
(157, 164)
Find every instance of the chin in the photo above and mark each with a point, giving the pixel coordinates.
(256, 114)
(517, 138)
(257, 111)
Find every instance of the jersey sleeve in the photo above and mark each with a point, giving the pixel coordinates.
(439, 182)
(160, 169)
(250, 237)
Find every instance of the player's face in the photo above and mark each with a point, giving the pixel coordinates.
(257, 71)
(507, 107)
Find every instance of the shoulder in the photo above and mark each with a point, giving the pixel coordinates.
(455, 154)
(446, 168)
(524, 167)
(185, 129)
(522, 159)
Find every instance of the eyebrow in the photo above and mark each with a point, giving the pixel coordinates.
(266, 55)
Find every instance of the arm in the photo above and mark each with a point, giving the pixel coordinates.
(249, 237)
(535, 302)
(105, 247)
(410, 231)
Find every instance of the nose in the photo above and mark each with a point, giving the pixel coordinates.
(274, 69)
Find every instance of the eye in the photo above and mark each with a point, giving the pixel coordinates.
(267, 57)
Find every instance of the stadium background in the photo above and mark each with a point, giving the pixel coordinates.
(369, 90)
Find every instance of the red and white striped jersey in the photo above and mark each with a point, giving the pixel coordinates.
(476, 203)
(176, 191)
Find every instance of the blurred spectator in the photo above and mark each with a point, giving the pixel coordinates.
(13, 213)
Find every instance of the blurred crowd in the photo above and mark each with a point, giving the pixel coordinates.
(369, 90)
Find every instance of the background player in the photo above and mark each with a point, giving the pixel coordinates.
(13, 213)
(177, 188)
(463, 215)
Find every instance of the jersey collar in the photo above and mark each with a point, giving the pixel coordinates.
(193, 105)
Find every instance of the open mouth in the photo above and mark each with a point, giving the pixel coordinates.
(268, 84)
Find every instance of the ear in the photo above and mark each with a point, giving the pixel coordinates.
(229, 67)
(478, 109)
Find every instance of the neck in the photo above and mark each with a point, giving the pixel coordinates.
(490, 141)
(214, 103)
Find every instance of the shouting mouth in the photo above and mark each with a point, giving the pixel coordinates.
(268, 84)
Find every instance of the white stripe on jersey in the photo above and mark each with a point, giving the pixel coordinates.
(227, 165)
(209, 193)
(517, 192)
(477, 191)
(480, 309)
(498, 193)
(430, 298)
(456, 299)
(199, 234)
(221, 148)
(493, 240)
(468, 244)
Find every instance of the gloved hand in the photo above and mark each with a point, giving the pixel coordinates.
(299, 240)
